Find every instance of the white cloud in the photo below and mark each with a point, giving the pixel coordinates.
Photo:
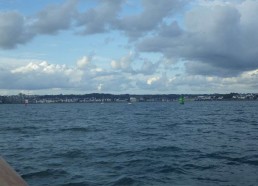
(100, 87)
(44, 76)
(215, 40)
(125, 63)
(25, 69)
(83, 62)
(152, 80)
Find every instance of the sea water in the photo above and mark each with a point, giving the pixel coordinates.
(199, 143)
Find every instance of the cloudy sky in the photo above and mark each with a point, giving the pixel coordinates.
(128, 46)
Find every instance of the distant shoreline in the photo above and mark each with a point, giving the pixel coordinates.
(121, 98)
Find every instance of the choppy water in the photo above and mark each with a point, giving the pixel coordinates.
(199, 143)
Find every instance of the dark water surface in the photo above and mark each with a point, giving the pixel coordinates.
(199, 143)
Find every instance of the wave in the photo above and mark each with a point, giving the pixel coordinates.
(148, 151)
(45, 174)
(251, 160)
(206, 179)
(76, 129)
(124, 180)
(19, 129)
(171, 169)
(84, 183)
(147, 144)
(79, 129)
(199, 167)
(76, 153)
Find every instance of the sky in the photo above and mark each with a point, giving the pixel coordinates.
(128, 46)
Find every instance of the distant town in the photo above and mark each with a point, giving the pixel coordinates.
(108, 98)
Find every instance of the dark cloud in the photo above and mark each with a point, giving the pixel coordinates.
(34, 81)
(104, 17)
(18, 29)
(126, 63)
(148, 68)
(213, 40)
(205, 69)
(101, 18)
(218, 40)
(54, 18)
(152, 15)
(13, 30)
(5, 79)
(172, 30)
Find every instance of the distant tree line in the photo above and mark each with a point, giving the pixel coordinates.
(20, 98)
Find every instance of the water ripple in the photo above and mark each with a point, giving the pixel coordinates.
(199, 143)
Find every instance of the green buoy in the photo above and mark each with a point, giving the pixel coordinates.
(182, 100)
